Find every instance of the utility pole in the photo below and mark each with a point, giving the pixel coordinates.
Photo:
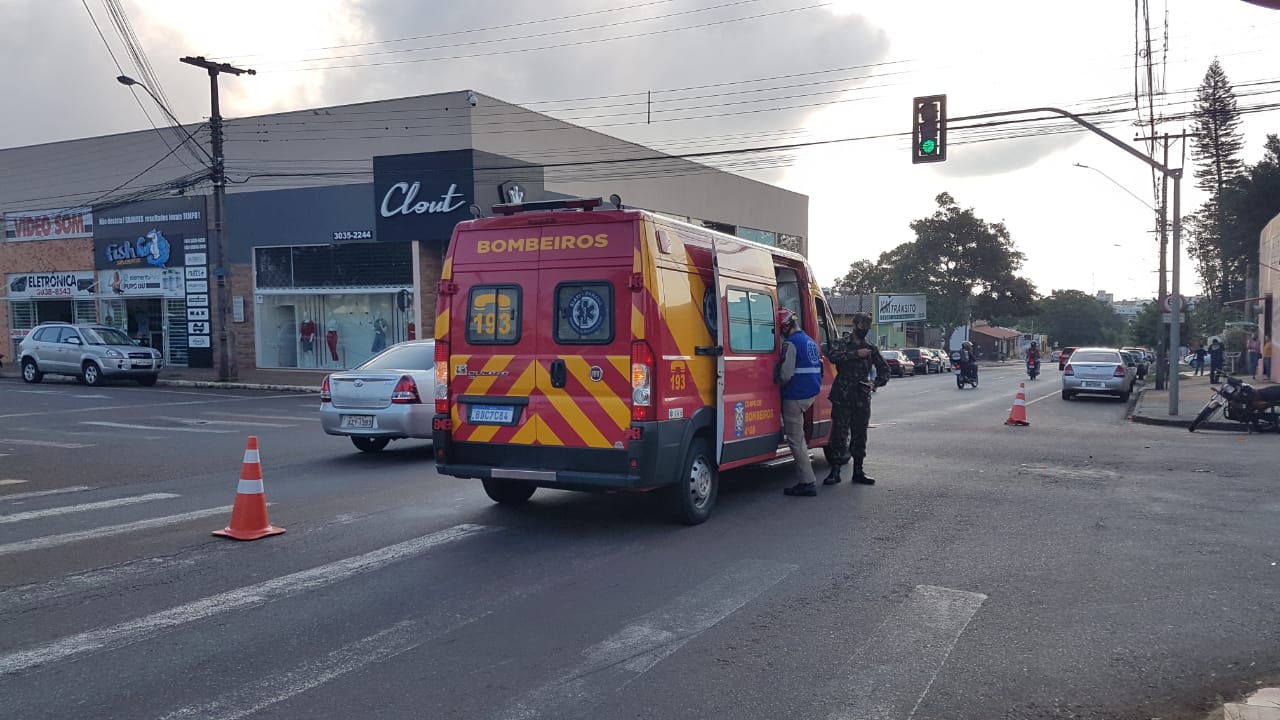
(226, 358)
(1166, 358)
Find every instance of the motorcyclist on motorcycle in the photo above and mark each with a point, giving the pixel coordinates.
(968, 360)
(1033, 359)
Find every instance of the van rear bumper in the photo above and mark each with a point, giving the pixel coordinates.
(648, 462)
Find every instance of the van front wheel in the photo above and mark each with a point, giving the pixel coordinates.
(694, 492)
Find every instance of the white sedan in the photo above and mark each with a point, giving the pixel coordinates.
(382, 399)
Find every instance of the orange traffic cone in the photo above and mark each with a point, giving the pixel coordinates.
(1018, 413)
(249, 514)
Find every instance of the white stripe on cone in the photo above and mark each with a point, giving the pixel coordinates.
(250, 487)
(251, 456)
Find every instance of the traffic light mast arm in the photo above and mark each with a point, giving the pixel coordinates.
(1083, 123)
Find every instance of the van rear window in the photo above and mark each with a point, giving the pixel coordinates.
(493, 315)
(584, 313)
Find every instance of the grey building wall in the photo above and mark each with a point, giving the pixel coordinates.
(296, 216)
(334, 146)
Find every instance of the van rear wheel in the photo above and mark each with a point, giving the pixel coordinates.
(508, 492)
(694, 492)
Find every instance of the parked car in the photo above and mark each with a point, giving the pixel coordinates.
(924, 360)
(1139, 357)
(899, 364)
(93, 353)
(381, 399)
(1098, 370)
(1063, 356)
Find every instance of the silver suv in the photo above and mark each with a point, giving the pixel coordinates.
(94, 353)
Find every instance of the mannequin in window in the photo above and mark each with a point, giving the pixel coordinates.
(379, 335)
(307, 334)
(331, 337)
(412, 331)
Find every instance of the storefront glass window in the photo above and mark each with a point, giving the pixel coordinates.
(329, 331)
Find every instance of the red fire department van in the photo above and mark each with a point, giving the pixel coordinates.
(580, 348)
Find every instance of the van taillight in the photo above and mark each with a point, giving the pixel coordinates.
(406, 391)
(442, 378)
(326, 395)
(642, 371)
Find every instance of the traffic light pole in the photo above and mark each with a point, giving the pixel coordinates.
(226, 358)
(1175, 324)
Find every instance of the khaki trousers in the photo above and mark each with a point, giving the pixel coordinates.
(793, 426)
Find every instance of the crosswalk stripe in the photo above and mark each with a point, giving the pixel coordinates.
(629, 653)
(131, 426)
(133, 631)
(48, 541)
(293, 418)
(41, 493)
(86, 507)
(891, 673)
(10, 481)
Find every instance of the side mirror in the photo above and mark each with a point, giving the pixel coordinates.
(73, 340)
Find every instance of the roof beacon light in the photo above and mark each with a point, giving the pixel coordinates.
(574, 204)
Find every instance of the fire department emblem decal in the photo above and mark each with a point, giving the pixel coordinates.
(597, 373)
(585, 312)
(739, 419)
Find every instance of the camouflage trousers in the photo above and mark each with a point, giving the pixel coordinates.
(849, 432)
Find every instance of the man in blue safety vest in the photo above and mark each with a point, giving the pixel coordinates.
(800, 374)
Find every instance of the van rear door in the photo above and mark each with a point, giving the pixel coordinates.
(584, 342)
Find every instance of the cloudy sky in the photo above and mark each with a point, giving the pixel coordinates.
(723, 74)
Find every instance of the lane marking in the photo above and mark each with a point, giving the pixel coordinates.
(39, 493)
(624, 656)
(131, 426)
(202, 422)
(48, 541)
(892, 672)
(102, 408)
(10, 481)
(133, 631)
(68, 509)
(295, 418)
(30, 596)
(44, 443)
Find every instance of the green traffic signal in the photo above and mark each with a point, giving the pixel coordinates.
(929, 147)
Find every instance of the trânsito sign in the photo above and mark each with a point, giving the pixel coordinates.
(899, 308)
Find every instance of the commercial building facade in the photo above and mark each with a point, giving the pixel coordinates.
(337, 220)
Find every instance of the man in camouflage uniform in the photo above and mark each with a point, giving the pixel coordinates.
(851, 399)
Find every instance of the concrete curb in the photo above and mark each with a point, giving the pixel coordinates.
(1179, 421)
(213, 384)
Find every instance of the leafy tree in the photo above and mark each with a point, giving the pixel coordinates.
(1071, 317)
(1215, 151)
(1251, 200)
(1146, 327)
(964, 265)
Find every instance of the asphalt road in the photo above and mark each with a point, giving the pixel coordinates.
(1082, 567)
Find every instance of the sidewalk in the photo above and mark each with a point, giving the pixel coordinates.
(305, 381)
(1152, 406)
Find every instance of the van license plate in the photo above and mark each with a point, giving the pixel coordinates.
(357, 421)
(492, 414)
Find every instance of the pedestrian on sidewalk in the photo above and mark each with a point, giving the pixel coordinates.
(1217, 357)
(860, 369)
(800, 374)
(1255, 354)
(1197, 362)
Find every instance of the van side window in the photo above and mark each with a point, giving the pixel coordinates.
(493, 315)
(751, 321)
(824, 323)
(584, 313)
(789, 292)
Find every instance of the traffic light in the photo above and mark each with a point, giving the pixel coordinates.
(929, 129)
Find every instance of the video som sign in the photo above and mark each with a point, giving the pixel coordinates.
(900, 308)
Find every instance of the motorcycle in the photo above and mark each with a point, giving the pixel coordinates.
(1033, 368)
(1257, 409)
(963, 377)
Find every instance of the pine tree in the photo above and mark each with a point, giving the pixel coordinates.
(1216, 153)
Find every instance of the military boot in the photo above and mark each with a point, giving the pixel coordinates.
(801, 490)
(833, 477)
(859, 476)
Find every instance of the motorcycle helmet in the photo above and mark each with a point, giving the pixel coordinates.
(861, 325)
(786, 319)
(966, 345)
